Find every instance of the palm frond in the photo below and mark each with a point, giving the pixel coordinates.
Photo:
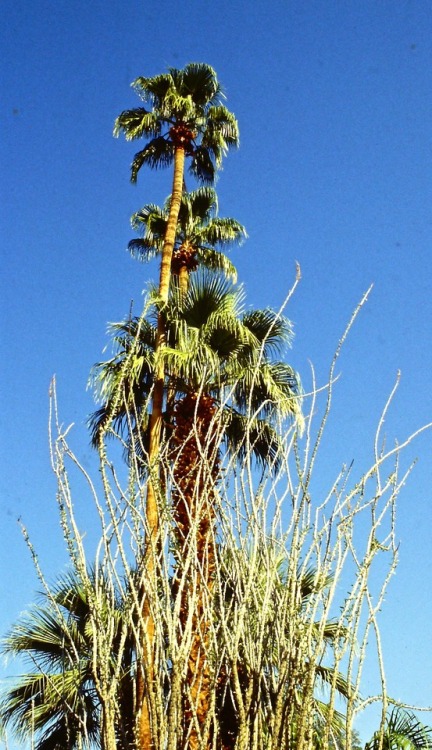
(202, 166)
(221, 132)
(153, 90)
(201, 203)
(270, 387)
(142, 249)
(272, 330)
(326, 675)
(150, 220)
(134, 123)
(57, 705)
(244, 435)
(199, 80)
(157, 154)
(217, 262)
(222, 231)
(209, 294)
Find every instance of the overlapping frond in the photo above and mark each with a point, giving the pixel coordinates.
(124, 382)
(202, 166)
(153, 90)
(272, 330)
(200, 82)
(250, 435)
(402, 731)
(222, 129)
(217, 262)
(199, 204)
(211, 295)
(58, 700)
(56, 704)
(150, 222)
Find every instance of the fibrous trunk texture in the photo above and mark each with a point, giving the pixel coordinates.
(195, 471)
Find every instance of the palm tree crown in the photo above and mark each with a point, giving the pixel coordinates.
(214, 347)
(186, 112)
(199, 233)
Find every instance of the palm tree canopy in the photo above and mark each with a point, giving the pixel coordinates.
(200, 232)
(185, 111)
(213, 346)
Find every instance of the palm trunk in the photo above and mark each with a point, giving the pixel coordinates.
(184, 261)
(196, 467)
(146, 732)
(183, 281)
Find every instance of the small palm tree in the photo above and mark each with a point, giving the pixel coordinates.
(199, 233)
(401, 731)
(57, 701)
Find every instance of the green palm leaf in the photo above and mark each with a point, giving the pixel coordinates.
(402, 731)
(57, 701)
(135, 123)
(157, 154)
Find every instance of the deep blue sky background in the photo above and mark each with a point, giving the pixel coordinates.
(334, 104)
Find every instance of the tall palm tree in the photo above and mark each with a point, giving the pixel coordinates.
(223, 386)
(58, 701)
(401, 731)
(200, 232)
(186, 118)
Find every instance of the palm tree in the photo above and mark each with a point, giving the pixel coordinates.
(199, 233)
(58, 700)
(401, 731)
(186, 119)
(223, 387)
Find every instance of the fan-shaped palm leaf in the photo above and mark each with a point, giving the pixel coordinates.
(57, 701)
(209, 348)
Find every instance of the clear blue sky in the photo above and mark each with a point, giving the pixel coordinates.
(335, 109)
